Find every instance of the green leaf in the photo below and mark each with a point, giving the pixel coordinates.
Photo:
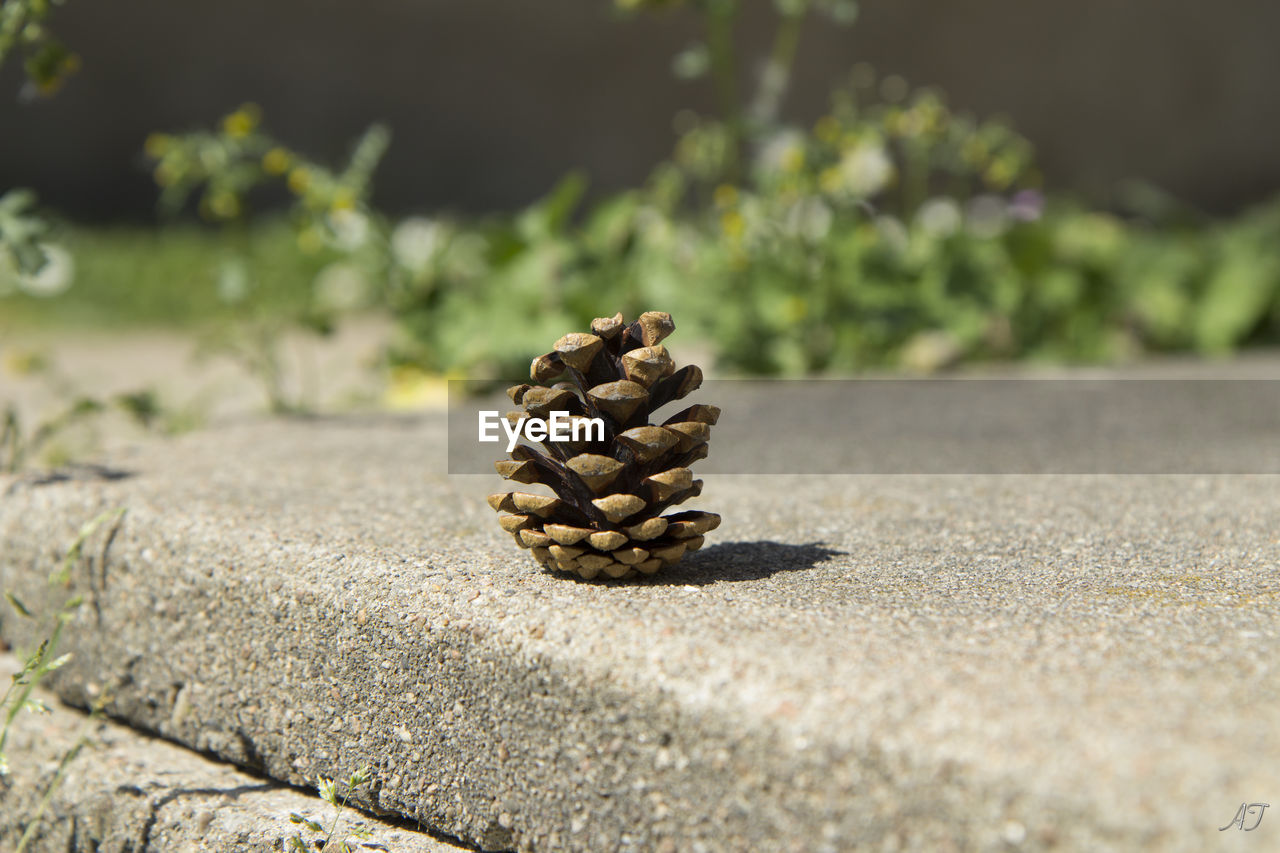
(549, 216)
(17, 605)
(692, 63)
(842, 12)
(1236, 298)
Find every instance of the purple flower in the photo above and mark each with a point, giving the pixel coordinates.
(1026, 206)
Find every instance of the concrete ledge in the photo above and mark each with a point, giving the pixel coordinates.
(912, 662)
(128, 791)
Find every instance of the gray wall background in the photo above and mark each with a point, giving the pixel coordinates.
(492, 100)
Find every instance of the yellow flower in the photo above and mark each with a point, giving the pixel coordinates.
(242, 122)
(725, 195)
(224, 205)
(343, 199)
(276, 161)
(1000, 174)
(157, 144)
(895, 121)
(827, 129)
(733, 225)
(310, 241)
(165, 175)
(299, 180)
(792, 159)
(831, 181)
(413, 389)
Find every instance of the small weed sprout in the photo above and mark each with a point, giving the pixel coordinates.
(328, 790)
(36, 666)
(18, 697)
(21, 447)
(18, 447)
(62, 577)
(44, 660)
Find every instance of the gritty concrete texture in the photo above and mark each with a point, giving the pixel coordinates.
(127, 791)
(876, 662)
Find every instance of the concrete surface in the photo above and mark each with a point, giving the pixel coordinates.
(877, 662)
(128, 791)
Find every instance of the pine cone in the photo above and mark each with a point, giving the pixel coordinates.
(610, 493)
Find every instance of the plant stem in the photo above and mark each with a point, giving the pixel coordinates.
(11, 450)
(721, 16)
(47, 797)
(46, 651)
(915, 180)
(777, 73)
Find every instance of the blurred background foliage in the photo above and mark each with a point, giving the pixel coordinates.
(893, 231)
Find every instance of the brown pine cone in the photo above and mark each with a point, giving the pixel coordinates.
(614, 481)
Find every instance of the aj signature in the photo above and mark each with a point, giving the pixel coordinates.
(1245, 812)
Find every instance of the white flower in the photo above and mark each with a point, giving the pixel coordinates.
(865, 170)
(415, 242)
(987, 216)
(350, 229)
(893, 232)
(782, 152)
(233, 281)
(809, 218)
(939, 217)
(54, 277)
(340, 287)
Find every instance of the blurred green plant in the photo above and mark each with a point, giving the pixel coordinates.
(31, 264)
(26, 260)
(21, 231)
(332, 220)
(892, 231)
(24, 29)
(130, 276)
